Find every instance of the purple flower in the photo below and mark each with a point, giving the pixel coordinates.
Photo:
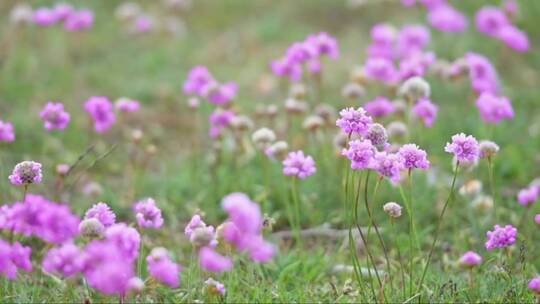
(20, 256)
(413, 157)
(127, 105)
(54, 116)
(45, 17)
(7, 267)
(353, 121)
(103, 213)
(482, 73)
(383, 37)
(287, 67)
(148, 214)
(212, 261)
(79, 21)
(299, 165)
(215, 287)
(194, 223)
(63, 10)
(126, 238)
(534, 285)
(101, 110)
(219, 121)
(412, 39)
(501, 237)
(7, 134)
(26, 173)
(426, 110)
(66, 260)
(490, 20)
(470, 259)
(528, 196)
(143, 24)
(388, 165)
(537, 219)
(381, 69)
(324, 44)
(360, 153)
(198, 78)
(379, 107)
(222, 94)
(514, 38)
(493, 109)
(163, 269)
(446, 18)
(464, 147)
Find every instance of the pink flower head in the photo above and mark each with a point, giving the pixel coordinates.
(381, 69)
(79, 21)
(388, 165)
(493, 109)
(514, 38)
(101, 110)
(446, 18)
(215, 286)
(314, 66)
(501, 237)
(126, 238)
(470, 259)
(148, 214)
(163, 269)
(127, 105)
(198, 78)
(490, 20)
(26, 173)
(243, 212)
(212, 261)
(63, 10)
(219, 121)
(324, 44)
(416, 64)
(528, 196)
(413, 157)
(299, 165)
(426, 110)
(103, 213)
(54, 116)
(21, 256)
(7, 134)
(412, 39)
(194, 223)
(353, 121)
(223, 94)
(143, 24)
(7, 267)
(511, 7)
(45, 17)
(360, 153)
(379, 107)
(537, 219)
(287, 67)
(66, 260)
(464, 147)
(534, 285)
(482, 73)
(383, 37)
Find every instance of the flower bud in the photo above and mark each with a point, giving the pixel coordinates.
(392, 209)
(91, 228)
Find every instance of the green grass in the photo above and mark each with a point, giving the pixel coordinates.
(237, 39)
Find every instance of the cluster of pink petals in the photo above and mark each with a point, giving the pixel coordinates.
(442, 15)
(482, 73)
(470, 259)
(354, 121)
(65, 261)
(26, 173)
(493, 109)
(413, 157)
(127, 105)
(7, 133)
(464, 147)
(54, 116)
(299, 165)
(379, 107)
(534, 285)
(219, 121)
(74, 20)
(388, 165)
(148, 215)
(493, 21)
(163, 269)
(200, 82)
(360, 153)
(528, 196)
(103, 213)
(309, 53)
(426, 111)
(14, 257)
(101, 110)
(501, 237)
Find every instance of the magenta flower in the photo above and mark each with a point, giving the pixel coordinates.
(323, 44)
(103, 213)
(446, 18)
(381, 69)
(101, 110)
(299, 165)
(482, 73)
(148, 214)
(360, 153)
(537, 219)
(287, 67)
(379, 107)
(66, 260)
(490, 20)
(26, 173)
(426, 110)
(413, 157)
(219, 121)
(464, 147)
(163, 269)
(54, 116)
(388, 165)
(143, 24)
(493, 109)
(127, 105)
(212, 261)
(383, 37)
(7, 134)
(194, 223)
(470, 259)
(534, 285)
(215, 287)
(45, 17)
(501, 237)
(412, 39)
(126, 238)
(198, 78)
(63, 10)
(353, 121)
(222, 94)
(7, 267)
(20, 256)
(514, 38)
(79, 21)
(528, 196)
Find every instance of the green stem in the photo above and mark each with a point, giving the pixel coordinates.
(395, 232)
(492, 186)
(296, 203)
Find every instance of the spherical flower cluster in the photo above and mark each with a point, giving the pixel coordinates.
(194, 223)
(54, 116)
(148, 214)
(7, 134)
(215, 287)
(73, 20)
(66, 260)
(482, 73)
(413, 157)
(388, 165)
(379, 107)
(464, 147)
(277, 150)
(26, 173)
(412, 39)
(501, 237)
(425, 110)
(103, 213)
(415, 88)
(200, 82)
(79, 21)
(198, 78)
(446, 18)
(212, 261)
(392, 209)
(162, 268)
(528, 196)
(534, 285)
(219, 121)
(381, 69)
(493, 109)
(360, 153)
(263, 137)
(353, 121)
(101, 110)
(470, 259)
(382, 41)
(299, 165)
(127, 105)
(126, 238)
(378, 136)
(493, 22)
(91, 228)
(13, 258)
(537, 219)
(488, 149)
